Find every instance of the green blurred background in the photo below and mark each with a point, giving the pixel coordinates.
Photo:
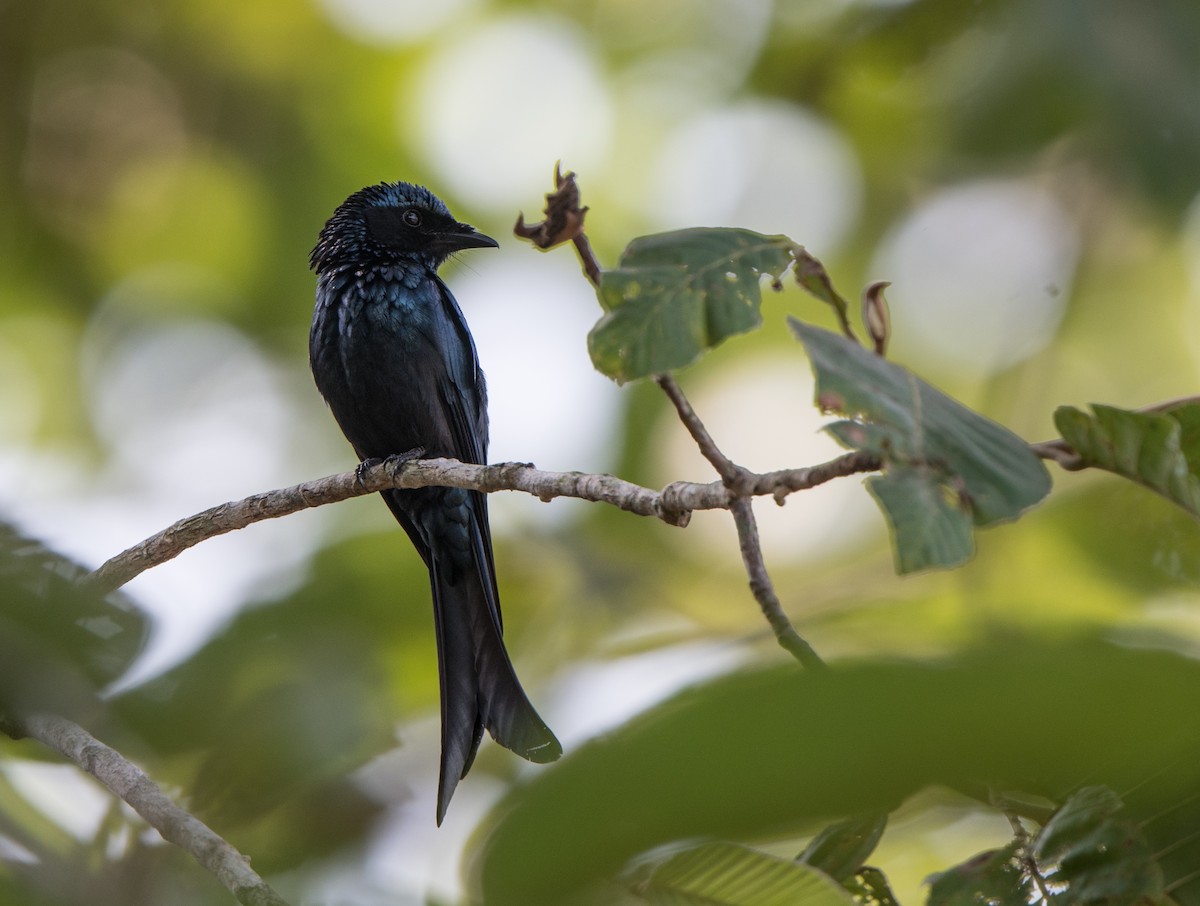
(1026, 174)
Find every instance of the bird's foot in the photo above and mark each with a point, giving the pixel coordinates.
(392, 462)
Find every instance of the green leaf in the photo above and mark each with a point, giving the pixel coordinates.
(1100, 858)
(1160, 450)
(770, 752)
(297, 695)
(726, 874)
(948, 459)
(60, 643)
(996, 877)
(929, 528)
(841, 849)
(675, 295)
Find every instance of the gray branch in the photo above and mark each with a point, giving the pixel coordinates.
(673, 504)
(127, 781)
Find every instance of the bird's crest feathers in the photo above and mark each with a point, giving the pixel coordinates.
(389, 221)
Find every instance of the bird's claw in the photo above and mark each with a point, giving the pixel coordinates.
(392, 462)
(360, 470)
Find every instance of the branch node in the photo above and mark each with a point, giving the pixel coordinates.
(671, 507)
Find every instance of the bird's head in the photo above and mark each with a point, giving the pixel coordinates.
(392, 222)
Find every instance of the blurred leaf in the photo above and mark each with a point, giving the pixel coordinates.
(782, 749)
(1170, 831)
(996, 876)
(841, 849)
(264, 724)
(1061, 77)
(725, 874)
(674, 295)
(1083, 855)
(928, 527)
(1160, 450)
(60, 643)
(1127, 541)
(1100, 858)
(941, 449)
(870, 887)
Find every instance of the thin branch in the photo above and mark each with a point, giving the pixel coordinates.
(1060, 452)
(591, 267)
(1171, 847)
(737, 480)
(731, 473)
(1179, 883)
(674, 504)
(564, 220)
(764, 590)
(128, 782)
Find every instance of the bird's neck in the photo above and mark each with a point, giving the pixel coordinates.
(406, 269)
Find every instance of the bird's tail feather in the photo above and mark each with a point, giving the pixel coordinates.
(480, 689)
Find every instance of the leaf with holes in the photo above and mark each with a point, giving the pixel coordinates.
(674, 296)
(944, 465)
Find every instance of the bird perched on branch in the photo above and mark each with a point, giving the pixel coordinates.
(392, 355)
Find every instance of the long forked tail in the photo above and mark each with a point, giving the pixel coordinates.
(480, 689)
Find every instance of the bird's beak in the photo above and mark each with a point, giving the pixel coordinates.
(463, 236)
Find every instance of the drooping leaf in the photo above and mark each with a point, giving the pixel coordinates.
(841, 849)
(928, 528)
(812, 277)
(1160, 450)
(939, 450)
(726, 874)
(675, 295)
(1100, 857)
(769, 752)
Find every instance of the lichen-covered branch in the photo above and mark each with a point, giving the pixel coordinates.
(674, 504)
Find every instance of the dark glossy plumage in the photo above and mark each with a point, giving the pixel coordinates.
(391, 354)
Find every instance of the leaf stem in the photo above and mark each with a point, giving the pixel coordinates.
(563, 208)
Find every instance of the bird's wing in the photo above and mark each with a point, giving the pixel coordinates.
(464, 401)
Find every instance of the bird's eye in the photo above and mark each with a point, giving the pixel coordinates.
(411, 217)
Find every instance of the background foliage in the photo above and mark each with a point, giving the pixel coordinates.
(1023, 172)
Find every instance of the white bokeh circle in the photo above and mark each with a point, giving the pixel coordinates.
(492, 111)
(767, 166)
(980, 274)
(386, 22)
